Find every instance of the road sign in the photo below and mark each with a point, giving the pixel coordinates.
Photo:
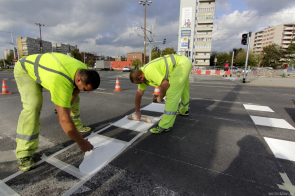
(215, 60)
(14, 60)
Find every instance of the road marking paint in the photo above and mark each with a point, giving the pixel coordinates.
(154, 107)
(101, 89)
(103, 92)
(6, 190)
(287, 185)
(63, 166)
(135, 125)
(272, 122)
(258, 108)
(281, 148)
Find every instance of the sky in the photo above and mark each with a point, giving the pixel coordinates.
(114, 27)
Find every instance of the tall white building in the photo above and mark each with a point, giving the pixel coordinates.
(195, 30)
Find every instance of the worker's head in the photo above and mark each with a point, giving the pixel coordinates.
(137, 76)
(87, 80)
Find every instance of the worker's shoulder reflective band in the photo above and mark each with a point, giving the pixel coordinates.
(27, 137)
(75, 117)
(167, 68)
(22, 62)
(169, 113)
(172, 59)
(36, 65)
(184, 104)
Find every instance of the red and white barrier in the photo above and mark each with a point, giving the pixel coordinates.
(210, 72)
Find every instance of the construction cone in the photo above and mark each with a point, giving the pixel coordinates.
(157, 91)
(4, 89)
(117, 87)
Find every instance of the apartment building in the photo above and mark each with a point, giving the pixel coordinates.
(280, 34)
(62, 48)
(27, 46)
(195, 30)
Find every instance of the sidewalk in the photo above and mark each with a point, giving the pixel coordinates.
(284, 82)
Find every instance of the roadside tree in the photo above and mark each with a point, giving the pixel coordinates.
(136, 63)
(91, 63)
(168, 51)
(271, 55)
(76, 54)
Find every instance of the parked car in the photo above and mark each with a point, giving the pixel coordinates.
(126, 68)
(237, 70)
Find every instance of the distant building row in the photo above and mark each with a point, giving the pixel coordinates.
(27, 46)
(281, 35)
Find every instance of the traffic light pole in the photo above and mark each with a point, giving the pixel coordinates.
(246, 63)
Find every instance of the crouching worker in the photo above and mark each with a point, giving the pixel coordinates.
(64, 77)
(171, 74)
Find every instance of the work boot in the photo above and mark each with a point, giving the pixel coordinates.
(158, 130)
(26, 163)
(84, 129)
(185, 114)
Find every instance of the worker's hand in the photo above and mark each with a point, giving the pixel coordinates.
(138, 115)
(85, 146)
(159, 100)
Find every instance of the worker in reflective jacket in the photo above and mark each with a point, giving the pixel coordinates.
(64, 77)
(171, 74)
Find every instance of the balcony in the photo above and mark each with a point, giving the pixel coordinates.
(286, 42)
(206, 0)
(288, 32)
(202, 57)
(288, 28)
(202, 63)
(206, 5)
(288, 37)
(202, 49)
(205, 28)
(205, 21)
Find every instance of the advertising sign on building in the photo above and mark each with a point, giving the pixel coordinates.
(185, 37)
(186, 17)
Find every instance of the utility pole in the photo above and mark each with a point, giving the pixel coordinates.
(41, 47)
(144, 3)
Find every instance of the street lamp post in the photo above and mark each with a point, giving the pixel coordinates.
(144, 3)
(41, 47)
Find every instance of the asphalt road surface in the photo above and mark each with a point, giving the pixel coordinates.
(224, 147)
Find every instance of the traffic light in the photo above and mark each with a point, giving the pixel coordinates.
(235, 51)
(244, 39)
(164, 41)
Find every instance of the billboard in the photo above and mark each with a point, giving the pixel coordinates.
(186, 17)
(185, 37)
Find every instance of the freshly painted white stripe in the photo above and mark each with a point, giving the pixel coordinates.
(272, 122)
(104, 150)
(155, 107)
(287, 185)
(135, 125)
(102, 89)
(6, 190)
(63, 166)
(281, 148)
(258, 108)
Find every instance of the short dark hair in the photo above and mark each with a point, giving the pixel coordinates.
(90, 77)
(134, 75)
